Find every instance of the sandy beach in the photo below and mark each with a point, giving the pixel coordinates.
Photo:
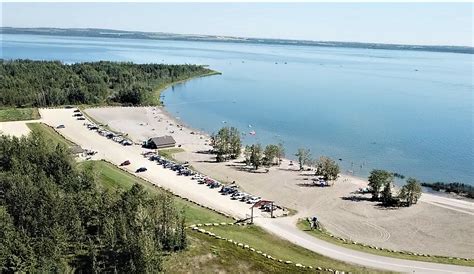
(436, 225)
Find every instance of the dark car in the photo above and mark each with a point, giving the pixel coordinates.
(142, 169)
(60, 126)
(81, 118)
(126, 163)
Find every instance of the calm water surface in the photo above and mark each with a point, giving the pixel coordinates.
(408, 112)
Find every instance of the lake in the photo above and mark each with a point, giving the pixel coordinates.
(409, 112)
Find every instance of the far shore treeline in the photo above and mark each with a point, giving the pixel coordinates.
(27, 83)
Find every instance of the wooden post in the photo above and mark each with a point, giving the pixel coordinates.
(251, 215)
(271, 211)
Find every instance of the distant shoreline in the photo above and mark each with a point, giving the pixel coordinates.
(108, 33)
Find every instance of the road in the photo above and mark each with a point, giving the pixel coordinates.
(284, 227)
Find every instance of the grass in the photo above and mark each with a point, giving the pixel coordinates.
(18, 114)
(168, 153)
(50, 134)
(323, 235)
(276, 247)
(208, 255)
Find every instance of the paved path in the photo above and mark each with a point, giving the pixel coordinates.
(184, 186)
(286, 228)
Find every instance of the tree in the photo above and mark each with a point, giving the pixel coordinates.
(55, 217)
(227, 143)
(304, 157)
(410, 192)
(256, 155)
(327, 168)
(235, 144)
(377, 180)
(248, 154)
(280, 153)
(270, 152)
(50, 83)
(386, 195)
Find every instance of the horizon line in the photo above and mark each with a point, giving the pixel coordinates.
(242, 38)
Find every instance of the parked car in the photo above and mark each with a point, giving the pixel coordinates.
(60, 126)
(141, 169)
(125, 163)
(81, 118)
(237, 196)
(254, 200)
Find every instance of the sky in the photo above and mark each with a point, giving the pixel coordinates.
(402, 23)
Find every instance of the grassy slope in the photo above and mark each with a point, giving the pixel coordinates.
(304, 225)
(276, 247)
(49, 133)
(206, 254)
(18, 114)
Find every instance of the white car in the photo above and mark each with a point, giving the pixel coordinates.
(238, 196)
(254, 200)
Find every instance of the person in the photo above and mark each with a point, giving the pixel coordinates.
(314, 222)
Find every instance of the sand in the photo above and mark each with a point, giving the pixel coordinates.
(436, 225)
(16, 128)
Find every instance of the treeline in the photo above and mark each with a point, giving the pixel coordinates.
(52, 83)
(55, 217)
(458, 188)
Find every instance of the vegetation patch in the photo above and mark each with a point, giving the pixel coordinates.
(52, 83)
(54, 217)
(49, 134)
(278, 248)
(113, 178)
(18, 114)
(324, 235)
(168, 153)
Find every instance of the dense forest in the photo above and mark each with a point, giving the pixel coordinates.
(50, 83)
(55, 217)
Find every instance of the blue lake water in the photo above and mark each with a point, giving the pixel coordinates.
(405, 111)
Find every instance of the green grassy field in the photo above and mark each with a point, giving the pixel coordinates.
(49, 133)
(18, 114)
(304, 225)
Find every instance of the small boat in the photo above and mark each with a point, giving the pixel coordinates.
(250, 126)
(252, 132)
